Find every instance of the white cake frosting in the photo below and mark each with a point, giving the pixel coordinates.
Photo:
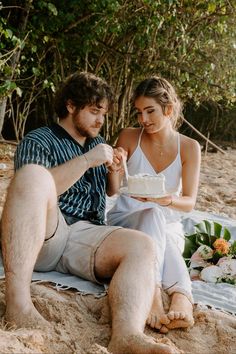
(145, 184)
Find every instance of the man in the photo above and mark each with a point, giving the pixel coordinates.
(66, 166)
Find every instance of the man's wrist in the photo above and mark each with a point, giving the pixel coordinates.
(86, 161)
(113, 170)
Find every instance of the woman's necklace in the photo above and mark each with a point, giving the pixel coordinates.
(161, 146)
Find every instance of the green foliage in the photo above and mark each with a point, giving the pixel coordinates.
(191, 43)
(206, 233)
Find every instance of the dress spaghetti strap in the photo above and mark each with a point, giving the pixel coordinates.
(140, 136)
(178, 142)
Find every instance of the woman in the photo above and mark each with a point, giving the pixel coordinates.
(156, 148)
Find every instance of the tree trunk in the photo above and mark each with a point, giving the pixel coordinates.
(3, 104)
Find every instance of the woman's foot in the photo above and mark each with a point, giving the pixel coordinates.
(180, 312)
(157, 317)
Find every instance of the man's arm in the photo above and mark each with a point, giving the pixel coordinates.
(116, 171)
(70, 172)
(67, 173)
(125, 145)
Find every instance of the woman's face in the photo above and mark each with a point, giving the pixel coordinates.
(150, 114)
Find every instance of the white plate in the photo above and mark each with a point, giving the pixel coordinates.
(147, 195)
(124, 190)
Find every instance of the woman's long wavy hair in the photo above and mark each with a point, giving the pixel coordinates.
(164, 94)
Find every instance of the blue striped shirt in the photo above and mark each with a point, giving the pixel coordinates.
(52, 146)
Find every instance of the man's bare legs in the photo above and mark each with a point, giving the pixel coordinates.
(128, 257)
(157, 316)
(29, 215)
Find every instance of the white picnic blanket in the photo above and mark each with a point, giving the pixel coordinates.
(220, 296)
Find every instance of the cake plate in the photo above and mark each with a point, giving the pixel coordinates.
(124, 190)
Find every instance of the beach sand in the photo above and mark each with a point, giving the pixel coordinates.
(81, 324)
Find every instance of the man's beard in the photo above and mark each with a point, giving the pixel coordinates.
(86, 132)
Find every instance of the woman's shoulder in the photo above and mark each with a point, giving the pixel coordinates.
(188, 145)
(187, 141)
(128, 138)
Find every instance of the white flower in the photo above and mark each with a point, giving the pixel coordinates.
(228, 266)
(205, 252)
(197, 261)
(211, 274)
(194, 274)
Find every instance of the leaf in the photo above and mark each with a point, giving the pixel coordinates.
(212, 239)
(202, 239)
(200, 227)
(8, 33)
(208, 226)
(233, 248)
(227, 234)
(191, 237)
(52, 8)
(189, 247)
(7, 87)
(18, 91)
(217, 229)
(36, 71)
(211, 7)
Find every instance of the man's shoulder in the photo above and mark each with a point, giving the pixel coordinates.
(43, 136)
(39, 132)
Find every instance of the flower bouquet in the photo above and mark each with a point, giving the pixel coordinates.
(210, 254)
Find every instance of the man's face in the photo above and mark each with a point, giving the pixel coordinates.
(89, 120)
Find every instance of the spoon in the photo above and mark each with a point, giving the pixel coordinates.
(125, 168)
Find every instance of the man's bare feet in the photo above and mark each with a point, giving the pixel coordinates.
(180, 313)
(139, 344)
(26, 316)
(157, 317)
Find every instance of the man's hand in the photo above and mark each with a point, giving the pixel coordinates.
(119, 155)
(100, 154)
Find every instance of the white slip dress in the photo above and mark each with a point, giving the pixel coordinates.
(161, 223)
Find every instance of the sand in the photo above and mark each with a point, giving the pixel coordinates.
(81, 324)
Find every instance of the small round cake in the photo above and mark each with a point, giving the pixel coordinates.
(144, 184)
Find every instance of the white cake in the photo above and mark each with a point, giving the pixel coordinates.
(144, 184)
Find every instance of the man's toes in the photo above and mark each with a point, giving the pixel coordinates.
(164, 330)
(153, 321)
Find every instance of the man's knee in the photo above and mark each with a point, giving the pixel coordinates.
(144, 243)
(33, 179)
(137, 243)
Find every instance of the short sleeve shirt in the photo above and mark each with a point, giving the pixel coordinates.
(53, 146)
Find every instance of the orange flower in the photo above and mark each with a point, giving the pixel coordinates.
(221, 246)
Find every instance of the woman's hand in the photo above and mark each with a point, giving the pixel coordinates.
(117, 164)
(163, 201)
